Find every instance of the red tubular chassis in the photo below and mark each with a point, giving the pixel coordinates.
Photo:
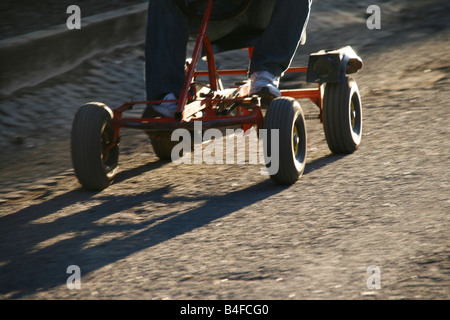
(96, 128)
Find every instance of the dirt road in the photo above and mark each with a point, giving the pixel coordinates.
(166, 231)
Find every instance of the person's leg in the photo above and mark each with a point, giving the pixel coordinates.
(168, 30)
(165, 49)
(277, 45)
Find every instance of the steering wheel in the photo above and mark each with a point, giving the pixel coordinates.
(194, 9)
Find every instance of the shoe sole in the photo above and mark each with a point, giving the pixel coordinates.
(266, 97)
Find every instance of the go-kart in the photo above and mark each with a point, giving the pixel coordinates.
(95, 135)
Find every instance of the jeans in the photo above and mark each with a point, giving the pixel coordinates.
(278, 23)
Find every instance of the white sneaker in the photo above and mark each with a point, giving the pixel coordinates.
(264, 84)
(167, 109)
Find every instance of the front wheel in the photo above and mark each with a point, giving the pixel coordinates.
(95, 154)
(342, 116)
(286, 117)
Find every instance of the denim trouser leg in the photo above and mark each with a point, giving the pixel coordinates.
(168, 32)
(277, 45)
(165, 49)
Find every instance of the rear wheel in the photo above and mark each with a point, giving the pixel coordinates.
(163, 145)
(286, 116)
(95, 154)
(342, 116)
(161, 141)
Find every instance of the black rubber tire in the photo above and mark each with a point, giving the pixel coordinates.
(286, 115)
(95, 164)
(161, 141)
(342, 116)
(162, 145)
